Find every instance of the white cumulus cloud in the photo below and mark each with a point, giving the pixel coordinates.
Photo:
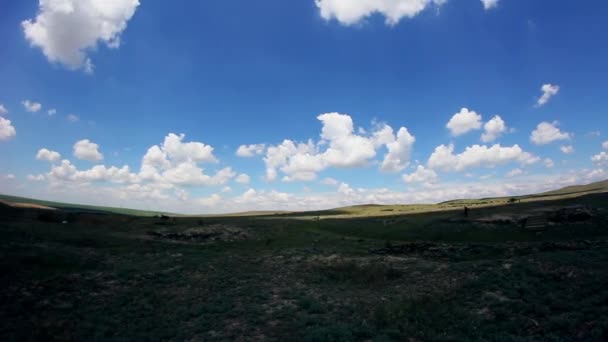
(48, 155)
(547, 132)
(493, 129)
(349, 12)
(67, 30)
(7, 130)
(87, 150)
(549, 90)
(167, 172)
(443, 158)
(66, 171)
(339, 147)
(176, 162)
(346, 149)
(3, 110)
(463, 122)
(399, 150)
(605, 145)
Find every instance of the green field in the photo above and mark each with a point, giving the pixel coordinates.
(363, 273)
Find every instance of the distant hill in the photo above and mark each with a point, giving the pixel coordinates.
(21, 201)
(355, 210)
(389, 210)
(577, 189)
(573, 190)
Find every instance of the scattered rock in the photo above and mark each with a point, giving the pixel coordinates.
(575, 214)
(207, 234)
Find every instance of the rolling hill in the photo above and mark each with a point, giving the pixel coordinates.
(348, 211)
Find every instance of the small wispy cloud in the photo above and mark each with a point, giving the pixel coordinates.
(549, 90)
(31, 106)
(73, 118)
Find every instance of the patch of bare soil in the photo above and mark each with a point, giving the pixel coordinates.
(204, 235)
(32, 206)
(25, 205)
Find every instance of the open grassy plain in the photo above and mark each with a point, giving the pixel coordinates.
(527, 270)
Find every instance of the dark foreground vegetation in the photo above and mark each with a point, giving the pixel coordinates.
(437, 276)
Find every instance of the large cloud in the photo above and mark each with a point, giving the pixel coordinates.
(167, 166)
(339, 147)
(463, 122)
(66, 30)
(66, 171)
(298, 161)
(399, 150)
(443, 158)
(179, 151)
(547, 132)
(346, 149)
(176, 162)
(87, 150)
(350, 12)
(7, 131)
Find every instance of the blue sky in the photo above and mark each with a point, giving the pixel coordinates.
(345, 101)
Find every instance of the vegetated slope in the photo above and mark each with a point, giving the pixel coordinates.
(373, 210)
(577, 189)
(75, 207)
